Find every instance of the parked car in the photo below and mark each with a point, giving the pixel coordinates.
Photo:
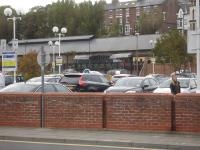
(133, 85)
(85, 82)
(188, 85)
(118, 76)
(47, 78)
(118, 71)
(35, 87)
(159, 77)
(9, 79)
(186, 75)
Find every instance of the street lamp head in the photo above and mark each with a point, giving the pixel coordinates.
(20, 12)
(50, 43)
(64, 30)
(55, 29)
(57, 43)
(8, 12)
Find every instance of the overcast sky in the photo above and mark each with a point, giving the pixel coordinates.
(27, 4)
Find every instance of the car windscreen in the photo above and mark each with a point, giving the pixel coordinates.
(19, 88)
(184, 83)
(129, 82)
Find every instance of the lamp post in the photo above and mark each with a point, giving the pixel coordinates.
(137, 67)
(52, 45)
(153, 42)
(8, 13)
(62, 32)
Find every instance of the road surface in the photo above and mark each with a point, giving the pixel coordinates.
(26, 145)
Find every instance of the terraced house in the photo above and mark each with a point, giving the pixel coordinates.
(143, 16)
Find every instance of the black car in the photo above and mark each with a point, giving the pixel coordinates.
(85, 82)
(133, 85)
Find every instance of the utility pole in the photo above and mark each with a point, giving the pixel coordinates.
(198, 46)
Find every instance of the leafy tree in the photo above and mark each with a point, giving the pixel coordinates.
(114, 30)
(172, 48)
(150, 21)
(28, 66)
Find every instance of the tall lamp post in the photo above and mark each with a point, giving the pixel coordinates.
(62, 32)
(153, 42)
(52, 45)
(137, 67)
(8, 13)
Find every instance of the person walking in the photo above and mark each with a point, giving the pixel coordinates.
(175, 85)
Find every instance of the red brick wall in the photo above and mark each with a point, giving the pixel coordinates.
(73, 110)
(153, 112)
(20, 110)
(139, 112)
(187, 112)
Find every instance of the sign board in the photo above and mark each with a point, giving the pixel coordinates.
(59, 60)
(192, 41)
(45, 56)
(9, 61)
(3, 44)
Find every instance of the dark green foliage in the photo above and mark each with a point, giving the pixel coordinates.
(172, 48)
(80, 19)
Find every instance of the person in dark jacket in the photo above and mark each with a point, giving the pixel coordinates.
(175, 85)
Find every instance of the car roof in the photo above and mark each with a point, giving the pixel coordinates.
(36, 83)
(133, 78)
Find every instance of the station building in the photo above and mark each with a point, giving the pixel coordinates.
(101, 54)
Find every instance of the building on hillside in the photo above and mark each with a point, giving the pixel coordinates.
(127, 14)
(101, 54)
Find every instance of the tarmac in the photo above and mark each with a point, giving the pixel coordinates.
(157, 140)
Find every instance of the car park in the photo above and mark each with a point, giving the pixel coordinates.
(133, 85)
(35, 87)
(85, 82)
(188, 85)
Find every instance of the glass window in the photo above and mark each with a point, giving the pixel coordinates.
(61, 88)
(20, 88)
(193, 83)
(70, 79)
(47, 88)
(152, 82)
(129, 82)
(146, 82)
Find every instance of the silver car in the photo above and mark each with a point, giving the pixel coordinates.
(188, 85)
(35, 87)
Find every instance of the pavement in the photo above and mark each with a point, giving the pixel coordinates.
(157, 140)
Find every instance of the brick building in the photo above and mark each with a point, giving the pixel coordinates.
(127, 14)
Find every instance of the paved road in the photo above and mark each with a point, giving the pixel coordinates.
(23, 145)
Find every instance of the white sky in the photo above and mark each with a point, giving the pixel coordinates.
(27, 4)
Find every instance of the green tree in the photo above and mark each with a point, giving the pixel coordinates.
(114, 30)
(172, 48)
(28, 66)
